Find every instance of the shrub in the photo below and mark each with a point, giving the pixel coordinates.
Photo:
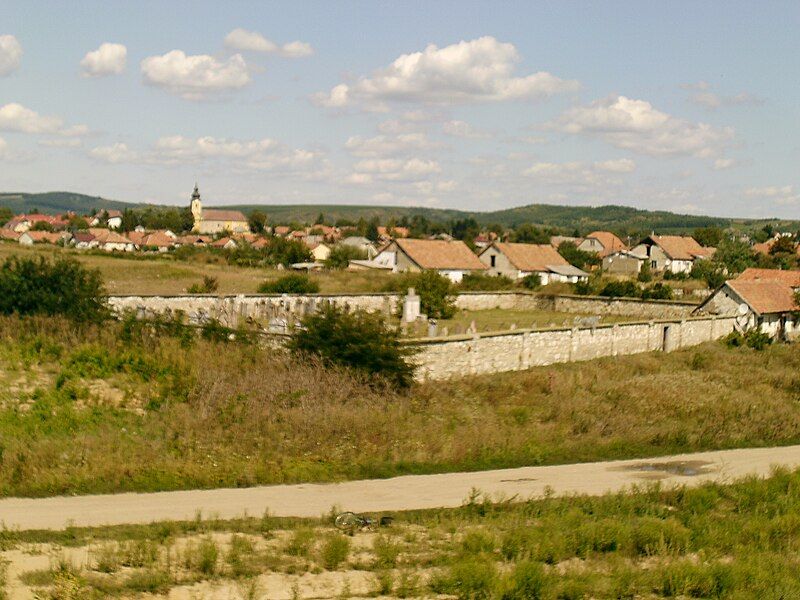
(614, 289)
(293, 283)
(62, 286)
(584, 288)
(645, 273)
(659, 291)
(469, 579)
(386, 552)
(531, 281)
(341, 255)
(334, 551)
(359, 340)
(483, 282)
(435, 292)
(754, 338)
(526, 582)
(209, 285)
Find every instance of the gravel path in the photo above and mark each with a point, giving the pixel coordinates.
(399, 493)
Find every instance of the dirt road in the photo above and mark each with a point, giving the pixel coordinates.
(399, 493)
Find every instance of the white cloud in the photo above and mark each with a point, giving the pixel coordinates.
(114, 154)
(15, 117)
(252, 41)
(108, 59)
(19, 118)
(703, 96)
(252, 155)
(479, 70)
(772, 191)
(620, 165)
(635, 125)
(195, 77)
(10, 54)
(393, 169)
(579, 174)
(721, 164)
(4, 151)
(387, 145)
(66, 142)
(462, 129)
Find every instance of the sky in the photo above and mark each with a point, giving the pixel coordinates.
(691, 107)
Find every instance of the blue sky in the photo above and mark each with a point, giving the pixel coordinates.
(683, 106)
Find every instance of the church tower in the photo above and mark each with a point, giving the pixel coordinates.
(197, 208)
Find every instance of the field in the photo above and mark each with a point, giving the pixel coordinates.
(164, 275)
(737, 541)
(114, 408)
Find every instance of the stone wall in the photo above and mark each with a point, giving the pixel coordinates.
(444, 358)
(231, 310)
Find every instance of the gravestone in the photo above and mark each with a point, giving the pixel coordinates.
(411, 306)
(432, 328)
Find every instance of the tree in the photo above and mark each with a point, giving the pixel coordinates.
(36, 285)
(708, 236)
(76, 223)
(645, 273)
(578, 258)
(293, 283)
(341, 255)
(733, 256)
(435, 292)
(782, 245)
(614, 289)
(481, 282)
(257, 220)
(531, 281)
(282, 251)
(320, 219)
(465, 229)
(42, 226)
(359, 340)
(6, 214)
(371, 231)
(528, 234)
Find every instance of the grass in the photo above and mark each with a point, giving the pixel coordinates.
(738, 541)
(99, 409)
(163, 274)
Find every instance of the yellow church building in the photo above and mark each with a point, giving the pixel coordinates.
(212, 220)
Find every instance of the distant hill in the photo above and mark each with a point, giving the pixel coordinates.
(59, 202)
(620, 219)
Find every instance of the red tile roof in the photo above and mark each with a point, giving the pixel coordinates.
(531, 257)
(441, 254)
(791, 278)
(765, 296)
(215, 214)
(611, 243)
(679, 247)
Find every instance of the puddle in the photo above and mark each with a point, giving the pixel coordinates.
(661, 470)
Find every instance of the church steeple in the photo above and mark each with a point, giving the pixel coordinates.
(197, 207)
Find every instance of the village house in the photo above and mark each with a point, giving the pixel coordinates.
(601, 243)
(762, 299)
(111, 241)
(557, 240)
(515, 260)
(160, 241)
(111, 218)
(362, 244)
(623, 262)
(29, 238)
(224, 243)
(212, 220)
(23, 223)
(320, 252)
(673, 253)
(450, 259)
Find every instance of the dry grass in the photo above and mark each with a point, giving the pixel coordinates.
(165, 275)
(735, 541)
(228, 415)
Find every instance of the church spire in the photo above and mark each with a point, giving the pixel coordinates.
(196, 192)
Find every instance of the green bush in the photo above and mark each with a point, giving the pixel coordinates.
(435, 292)
(341, 255)
(658, 291)
(334, 551)
(357, 340)
(63, 286)
(752, 339)
(209, 285)
(473, 282)
(531, 281)
(645, 273)
(615, 289)
(293, 283)
(526, 582)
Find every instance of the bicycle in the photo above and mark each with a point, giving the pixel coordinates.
(351, 522)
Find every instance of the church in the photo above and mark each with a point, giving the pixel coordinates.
(211, 220)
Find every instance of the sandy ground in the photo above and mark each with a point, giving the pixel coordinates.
(399, 493)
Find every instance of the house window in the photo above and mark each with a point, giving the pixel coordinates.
(654, 264)
(493, 259)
